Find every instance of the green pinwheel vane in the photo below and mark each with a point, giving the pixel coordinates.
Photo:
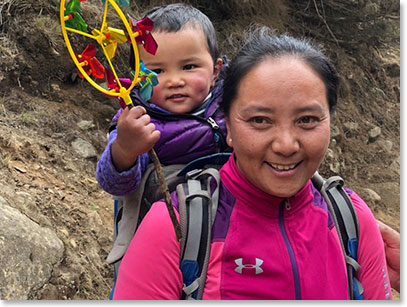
(108, 38)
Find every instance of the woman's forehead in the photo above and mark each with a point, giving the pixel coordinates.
(275, 82)
(281, 70)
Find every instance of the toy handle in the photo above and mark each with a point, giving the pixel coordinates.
(164, 188)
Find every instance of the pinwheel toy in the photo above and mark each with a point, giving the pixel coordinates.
(144, 28)
(108, 38)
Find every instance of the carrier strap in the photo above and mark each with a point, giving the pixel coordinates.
(197, 208)
(343, 213)
(127, 226)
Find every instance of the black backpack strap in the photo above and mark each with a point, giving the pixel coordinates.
(197, 209)
(343, 213)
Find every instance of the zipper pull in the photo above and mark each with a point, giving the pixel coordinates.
(217, 134)
(287, 205)
(213, 124)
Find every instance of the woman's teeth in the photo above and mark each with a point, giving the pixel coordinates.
(283, 167)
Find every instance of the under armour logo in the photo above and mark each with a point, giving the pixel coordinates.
(241, 266)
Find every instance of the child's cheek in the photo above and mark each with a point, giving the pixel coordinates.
(157, 97)
(201, 84)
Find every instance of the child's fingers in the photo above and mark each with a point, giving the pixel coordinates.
(144, 120)
(155, 134)
(137, 111)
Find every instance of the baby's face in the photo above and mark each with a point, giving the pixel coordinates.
(184, 67)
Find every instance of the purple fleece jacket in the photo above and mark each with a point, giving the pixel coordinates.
(183, 138)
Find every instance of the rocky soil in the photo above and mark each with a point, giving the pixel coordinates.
(56, 222)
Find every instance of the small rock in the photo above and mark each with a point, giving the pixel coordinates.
(335, 167)
(374, 133)
(370, 196)
(86, 125)
(385, 144)
(84, 148)
(349, 126)
(55, 87)
(330, 154)
(18, 165)
(73, 243)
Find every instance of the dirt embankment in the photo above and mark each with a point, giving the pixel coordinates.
(46, 111)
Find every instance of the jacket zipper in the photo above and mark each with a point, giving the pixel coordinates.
(220, 143)
(286, 204)
(208, 121)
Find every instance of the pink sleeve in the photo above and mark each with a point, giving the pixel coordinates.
(150, 268)
(371, 256)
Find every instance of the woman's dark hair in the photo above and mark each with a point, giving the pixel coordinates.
(262, 44)
(174, 17)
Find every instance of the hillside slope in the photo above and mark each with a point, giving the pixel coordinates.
(54, 125)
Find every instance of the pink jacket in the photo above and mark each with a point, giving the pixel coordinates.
(263, 248)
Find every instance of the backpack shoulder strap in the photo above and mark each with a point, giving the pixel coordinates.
(198, 201)
(343, 213)
(131, 209)
(127, 218)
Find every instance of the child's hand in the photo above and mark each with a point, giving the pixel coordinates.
(135, 136)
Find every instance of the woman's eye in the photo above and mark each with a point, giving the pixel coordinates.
(308, 120)
(259, 121)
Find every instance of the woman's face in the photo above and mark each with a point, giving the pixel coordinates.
(278, 125)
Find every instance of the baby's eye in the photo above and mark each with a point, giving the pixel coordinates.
(189, 67)
(158, 71)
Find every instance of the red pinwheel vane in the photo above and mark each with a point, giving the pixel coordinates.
(144, 28)
(90, 64)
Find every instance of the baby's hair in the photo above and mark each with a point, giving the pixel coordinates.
(177, 16)
(263, 43)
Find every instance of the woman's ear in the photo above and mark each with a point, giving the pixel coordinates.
(216, 70)
(228, 134)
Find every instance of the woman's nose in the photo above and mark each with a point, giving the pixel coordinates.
(285, 143)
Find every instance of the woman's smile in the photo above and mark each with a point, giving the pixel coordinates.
(284, 171)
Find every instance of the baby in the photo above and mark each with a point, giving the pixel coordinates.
(182, 120)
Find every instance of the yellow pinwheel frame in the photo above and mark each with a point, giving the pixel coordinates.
(99, 36)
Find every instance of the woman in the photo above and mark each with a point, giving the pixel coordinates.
(273, 237)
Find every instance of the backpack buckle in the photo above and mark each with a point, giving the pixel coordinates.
(192, 173)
